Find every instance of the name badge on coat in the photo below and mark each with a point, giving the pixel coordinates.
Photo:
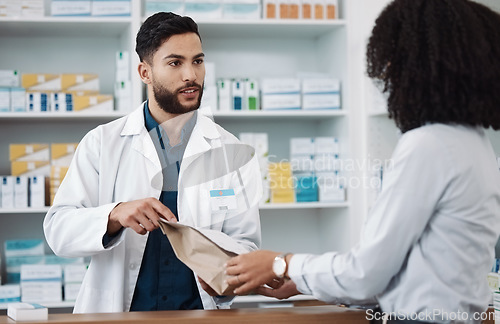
(223, 199)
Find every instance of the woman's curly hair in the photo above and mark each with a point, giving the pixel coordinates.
(439, 61)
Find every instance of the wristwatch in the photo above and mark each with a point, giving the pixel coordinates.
(280, 266)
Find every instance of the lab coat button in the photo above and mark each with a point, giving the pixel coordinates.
(132, 266)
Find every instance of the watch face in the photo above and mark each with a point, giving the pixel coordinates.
(279, 267)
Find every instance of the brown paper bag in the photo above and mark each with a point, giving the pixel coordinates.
(201, 254)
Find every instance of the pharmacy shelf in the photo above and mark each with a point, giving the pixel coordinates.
(305, 205)
(302, 205)
(279, 114)
(230, 115)
(60, 116)
(63, 26)
(267, 28)
(29, 210)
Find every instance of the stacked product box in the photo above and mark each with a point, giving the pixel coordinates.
(241, 9)
(18, 252)
(260, 143)
(30, 168)
(327, 168)
(24, 8)
(73, 275)
(316, 161)
(12, 96)
(304, 9)
(123, 85)
(65, 93)
(41, 283)
(9, 294)
(203, 9)
(224, 94)
(153, 6)
(277, 94)
(61, 156)
(102, 8)
(320, 93)
(302, 160)
(281, 183)
(71, 7)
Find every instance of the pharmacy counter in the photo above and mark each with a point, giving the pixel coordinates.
(311, 314)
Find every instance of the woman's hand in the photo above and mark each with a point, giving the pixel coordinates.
(251, 271)
(286, 290)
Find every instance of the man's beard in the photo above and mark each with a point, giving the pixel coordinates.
(169, 101)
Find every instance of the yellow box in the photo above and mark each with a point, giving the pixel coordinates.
(98, 103)
(282, 196)
(79, 82)
(62, 153)
(41, 82)
(58, 172)
(29, 168)
(29, 152)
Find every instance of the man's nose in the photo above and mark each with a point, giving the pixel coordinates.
(188, 74)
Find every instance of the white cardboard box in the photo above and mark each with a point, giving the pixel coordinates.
(27, 312)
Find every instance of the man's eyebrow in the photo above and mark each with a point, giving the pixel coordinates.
(181, 57)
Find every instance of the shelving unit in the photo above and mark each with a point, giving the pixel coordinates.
(254, 49)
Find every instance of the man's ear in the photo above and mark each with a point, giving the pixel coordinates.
(144, 70)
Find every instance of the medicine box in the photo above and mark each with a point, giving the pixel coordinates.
(79, 82)
(62, 153)
(29, 168)
(38, 190)
(224, 94)
(203, 9)
(41, 82)
(237, 94)
(9, 78)
(326, 145)
(10, 293)
(21, 192)
(41, 283)
(13, 265)
(302, 146)
(29, 152)
(37, 102)
(27, 312)
(4, 99)
(241, 9)
(71, 7)
(71, 291)
(17, 99)
(111, 8)
(74, 273)
(252, 95)
(154, 6)
(270, 9)
(93, 103)
(7, 192)
(23, 247)
(61, 102)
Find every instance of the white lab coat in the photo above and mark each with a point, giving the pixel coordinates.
(118, 162)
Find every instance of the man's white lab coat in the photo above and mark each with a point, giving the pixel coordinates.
(117, 162)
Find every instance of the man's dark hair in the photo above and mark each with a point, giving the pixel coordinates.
(157, 29)
(438, 60)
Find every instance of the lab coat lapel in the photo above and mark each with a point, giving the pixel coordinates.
(143, 144)
(200, 142)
